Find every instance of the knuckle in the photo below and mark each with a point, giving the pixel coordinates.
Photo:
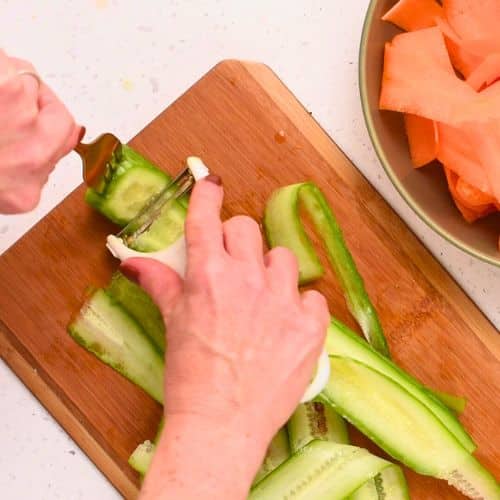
(37, 155)
(285, 255)
(11, 87)
(243, 223)
(27, 117)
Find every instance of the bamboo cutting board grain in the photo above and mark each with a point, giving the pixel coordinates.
(250, 130)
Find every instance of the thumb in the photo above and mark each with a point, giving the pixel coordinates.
(161, 282)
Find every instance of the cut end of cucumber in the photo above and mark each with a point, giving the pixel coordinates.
(141, 458)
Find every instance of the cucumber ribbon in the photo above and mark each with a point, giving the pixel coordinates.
(284, 227)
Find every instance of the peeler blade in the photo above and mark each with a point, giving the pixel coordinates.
(180, 185)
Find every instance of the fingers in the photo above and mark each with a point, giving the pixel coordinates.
(162, 283)
(55, 125)
(316, 306)
(243, 240)
(203, 224)
(283, 268)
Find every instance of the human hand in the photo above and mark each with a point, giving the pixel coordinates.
(242, 341)
(36, 131)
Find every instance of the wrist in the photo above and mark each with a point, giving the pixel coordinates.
(200, 457)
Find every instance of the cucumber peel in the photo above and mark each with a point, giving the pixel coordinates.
(277, 452)
(104, 328)
(390, 484)
(342, 341)
(402, 426)
(314, 420)
(140, 306)
(283, 227)
(142, 456)
(321, 470)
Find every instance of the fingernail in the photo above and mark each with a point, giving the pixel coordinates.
(215, 179)
(130, 272)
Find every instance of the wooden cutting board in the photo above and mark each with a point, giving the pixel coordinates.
(250, 130)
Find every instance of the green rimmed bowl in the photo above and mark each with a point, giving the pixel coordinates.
(424, 189)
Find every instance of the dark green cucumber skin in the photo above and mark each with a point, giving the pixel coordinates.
(140, 306)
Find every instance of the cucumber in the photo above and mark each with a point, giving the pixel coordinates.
(322, 470)
(141, 458)
(341, 341)
(312, 421)
(390, 484)
(283, 227)
(104, 328)
(128, 185)
(277, 453)
(404, 427)
(140, 306)
(129, 182)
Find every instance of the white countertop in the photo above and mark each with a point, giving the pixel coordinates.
(117, 64)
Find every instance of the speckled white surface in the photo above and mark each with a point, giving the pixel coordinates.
(117, 64)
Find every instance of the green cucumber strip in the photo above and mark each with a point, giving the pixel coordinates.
(322, 470)
(140, 306)
(455, 403)
(390, 484)
(104, 328)
(277, 452)
(314, 420)
(402, 426)
(141, 458)
(341, 341)
(283, 228)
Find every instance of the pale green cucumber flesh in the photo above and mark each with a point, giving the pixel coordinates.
(141, 458)
(277, 452)
(322, 470)
(401, 425)
(164, 231)
(104, 328)
(390, 484)
(130, 181)
(341, 341)
(140, 306)
(284, 228)
(314, 420)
